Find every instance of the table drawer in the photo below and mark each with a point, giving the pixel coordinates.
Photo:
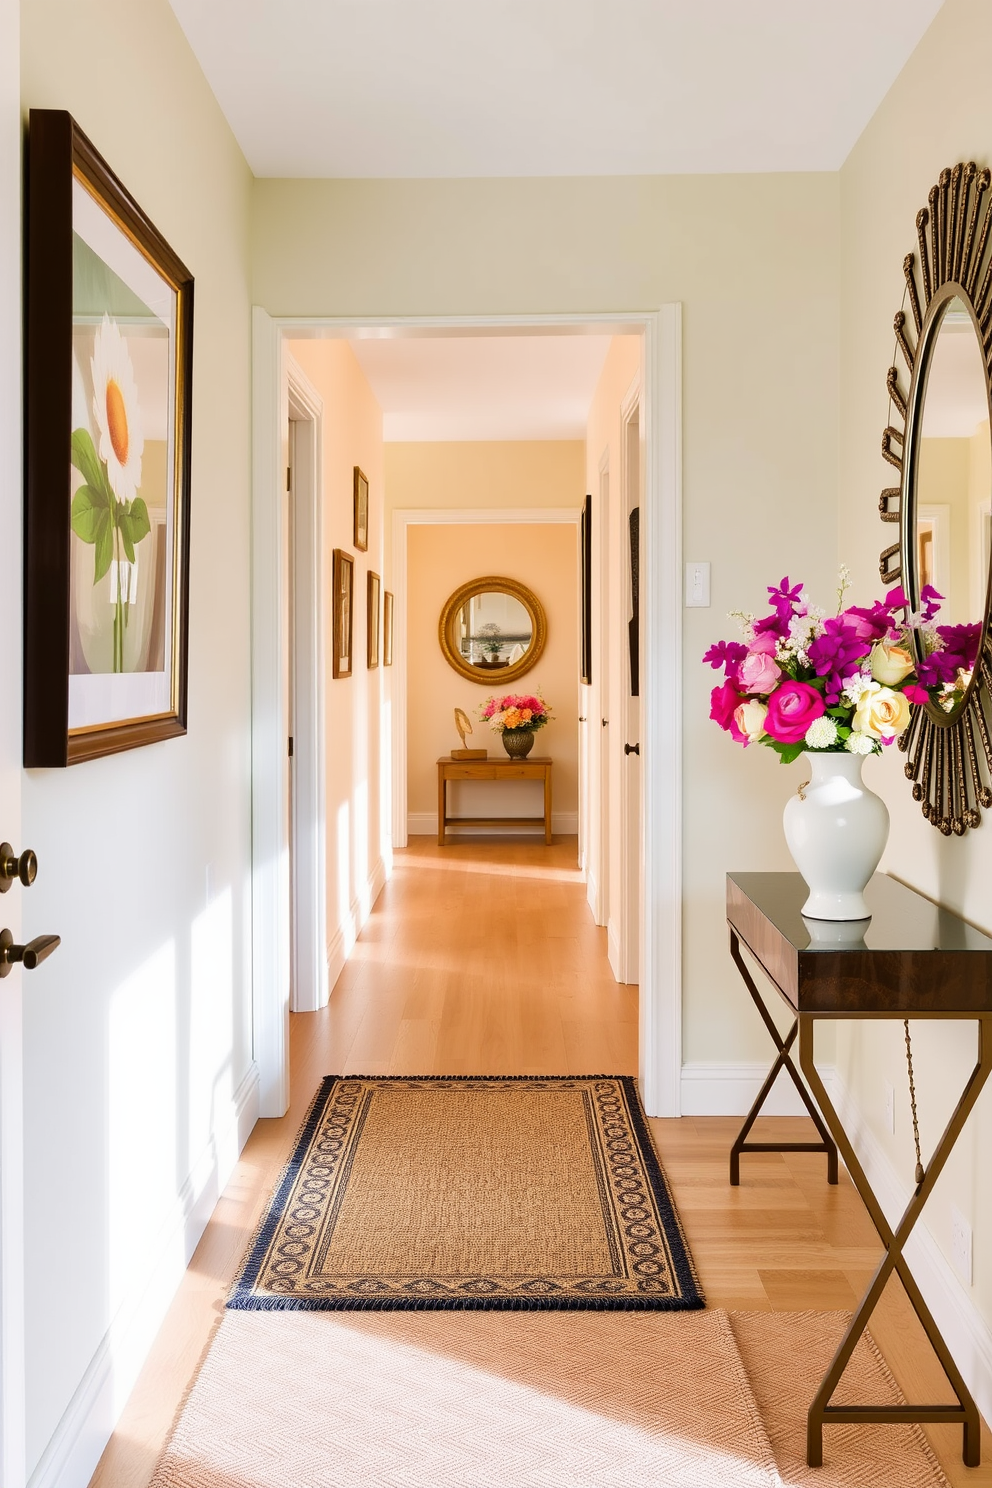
(483, 771)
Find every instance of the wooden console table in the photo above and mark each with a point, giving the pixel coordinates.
(490, 769)
(913, 959)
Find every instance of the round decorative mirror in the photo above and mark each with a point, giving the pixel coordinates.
(938, 439)
(492, 630)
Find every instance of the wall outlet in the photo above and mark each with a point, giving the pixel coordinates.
(890, 1108)
(697, 586)
(961, 1245)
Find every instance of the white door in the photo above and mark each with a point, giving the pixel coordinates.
(631, 688)
(11, 1110)
(599, 723)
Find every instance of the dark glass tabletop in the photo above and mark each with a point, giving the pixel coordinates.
(901, 919)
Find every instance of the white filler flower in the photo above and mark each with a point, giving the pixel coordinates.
(860, 743)
(115, 403)
(821, 733)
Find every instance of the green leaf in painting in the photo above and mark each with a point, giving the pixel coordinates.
(104, 547)
(124, 526)
(87, 462)
(88, 510)
(140, 520)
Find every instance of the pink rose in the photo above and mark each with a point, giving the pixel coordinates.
(765, 643)
(758, 673)
(791, 709)
(723, 701)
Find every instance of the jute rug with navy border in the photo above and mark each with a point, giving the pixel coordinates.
(471, 1192)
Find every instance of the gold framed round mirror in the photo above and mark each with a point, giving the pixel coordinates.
(492, 630)
(938, 439)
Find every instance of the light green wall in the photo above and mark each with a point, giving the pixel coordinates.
(938, 111)
(755, 262)
(138, 1032)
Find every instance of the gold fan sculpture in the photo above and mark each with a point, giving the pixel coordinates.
(464, 726)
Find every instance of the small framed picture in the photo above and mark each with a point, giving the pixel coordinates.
(387, 628)
(108, 397)
(343, 582)
(361, 512)
(373, 620)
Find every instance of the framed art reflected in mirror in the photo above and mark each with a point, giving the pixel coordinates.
(938, 441)
(387, 628)
(372, 620)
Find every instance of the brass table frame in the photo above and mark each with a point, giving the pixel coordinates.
(784, 1061)
(829, 1125)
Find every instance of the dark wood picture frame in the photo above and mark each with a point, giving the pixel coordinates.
(373, 587)
(585, 592)
(361, 494)
(387, 628)
(74, 198)
(342, 614)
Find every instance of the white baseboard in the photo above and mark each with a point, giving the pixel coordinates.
(343, 940)
(77, 1444)
(966, 1333)
(731, 1089)
(424, 824)
(592, 895)
(613, 948)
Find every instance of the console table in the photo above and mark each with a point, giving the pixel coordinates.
(490, 769)
(912, 959)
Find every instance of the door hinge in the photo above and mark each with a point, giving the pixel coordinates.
(289, 477)
(291, 746)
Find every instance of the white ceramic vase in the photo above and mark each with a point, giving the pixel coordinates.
(836, 830)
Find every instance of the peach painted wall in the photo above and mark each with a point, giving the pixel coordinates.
(440, 559)
(357, 751)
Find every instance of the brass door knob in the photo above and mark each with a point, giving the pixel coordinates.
(24, 867)
(31, 955)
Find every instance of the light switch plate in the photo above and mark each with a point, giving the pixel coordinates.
(697, 586)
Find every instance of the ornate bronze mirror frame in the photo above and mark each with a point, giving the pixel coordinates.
(491, 670)
(949, 749)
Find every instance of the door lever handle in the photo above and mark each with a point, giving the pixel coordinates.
(31, 955)
(24, 867)
(632, 748)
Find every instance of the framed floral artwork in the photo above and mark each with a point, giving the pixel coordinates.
(372, 627)
(107, 457)
(387, 628)
(342, 580)
(361, 512)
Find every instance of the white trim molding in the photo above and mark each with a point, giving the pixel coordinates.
(661, 921)
(424, 824)
(341, 943)
(731, 1090)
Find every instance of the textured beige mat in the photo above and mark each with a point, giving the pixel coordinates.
(470, 1400)
(523, 1400)
(471, 1192)
(786, 1355)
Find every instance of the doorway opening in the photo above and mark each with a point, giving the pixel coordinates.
(658, 477)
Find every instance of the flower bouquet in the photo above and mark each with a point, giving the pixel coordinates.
(799, 680)
(516, 717)
(838, 688)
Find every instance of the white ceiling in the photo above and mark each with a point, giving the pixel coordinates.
(418, 88)
(483, 387)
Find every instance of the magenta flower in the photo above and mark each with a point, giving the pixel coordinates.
(836, 655)
(726, 654)
(791, 709)
(723, 701)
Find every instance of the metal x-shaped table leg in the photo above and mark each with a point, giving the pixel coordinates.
(966, 1411)
(784, 1061)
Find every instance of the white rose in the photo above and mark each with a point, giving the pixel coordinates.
(881, 713)
(750, 719)
(890, 664)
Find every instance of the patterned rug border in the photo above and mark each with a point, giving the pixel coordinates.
(241, 1297)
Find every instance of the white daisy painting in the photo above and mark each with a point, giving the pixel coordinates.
(116, 375)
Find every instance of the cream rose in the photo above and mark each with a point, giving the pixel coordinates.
(890, 664)
(881, 713)
(750, 720)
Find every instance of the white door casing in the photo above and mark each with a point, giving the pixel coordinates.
(12, 1402)
(661, 746)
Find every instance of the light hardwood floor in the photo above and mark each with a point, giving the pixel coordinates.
(482, 958)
